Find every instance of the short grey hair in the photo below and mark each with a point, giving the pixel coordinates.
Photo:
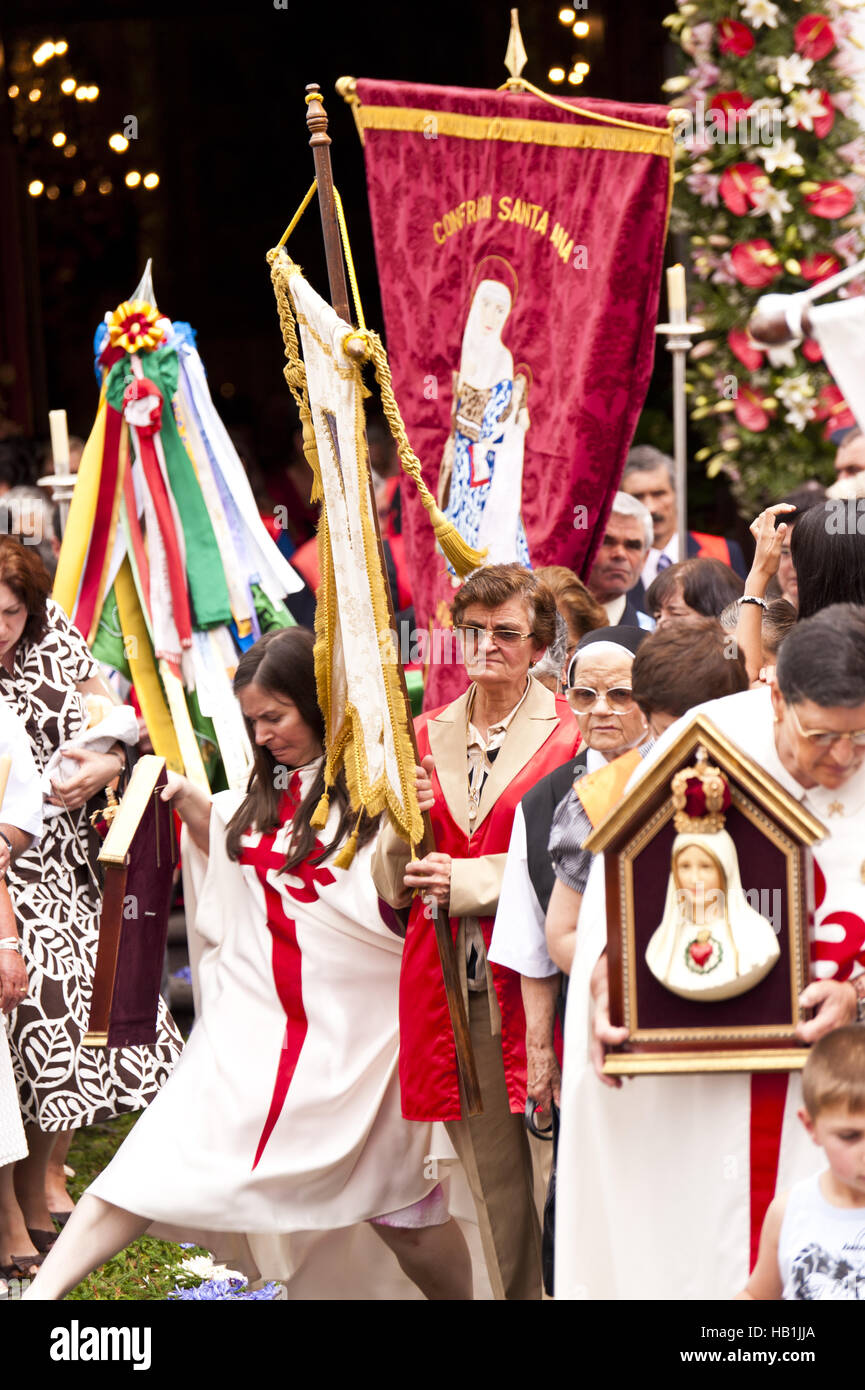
(626, 505)
(645, 458)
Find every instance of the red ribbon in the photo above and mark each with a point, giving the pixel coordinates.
(140, 389)
(102, 537)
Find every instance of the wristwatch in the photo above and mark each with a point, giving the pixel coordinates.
(752, 598)
(859, 986)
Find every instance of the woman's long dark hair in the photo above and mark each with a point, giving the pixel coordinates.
(828, 554)
(282, 663)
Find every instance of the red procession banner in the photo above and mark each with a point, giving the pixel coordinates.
(519, 245)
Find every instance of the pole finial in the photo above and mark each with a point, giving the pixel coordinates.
(516, 56)
(316, 116)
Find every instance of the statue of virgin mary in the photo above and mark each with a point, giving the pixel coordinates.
(481, 477)
(711, 943)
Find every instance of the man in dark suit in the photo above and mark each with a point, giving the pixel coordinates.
(619, 562)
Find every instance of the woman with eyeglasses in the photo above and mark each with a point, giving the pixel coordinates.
(598, 690)
(479, 755)
(725, 1139)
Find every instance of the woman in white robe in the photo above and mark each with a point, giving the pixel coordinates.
(283, 1115)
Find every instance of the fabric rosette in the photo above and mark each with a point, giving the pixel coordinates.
(134, 327)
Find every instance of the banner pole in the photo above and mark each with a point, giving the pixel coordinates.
(316, 120)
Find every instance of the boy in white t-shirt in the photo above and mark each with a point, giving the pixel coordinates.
(813, 1241)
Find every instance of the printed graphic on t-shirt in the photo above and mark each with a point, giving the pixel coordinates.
(817, 1274)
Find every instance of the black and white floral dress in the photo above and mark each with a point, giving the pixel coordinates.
(62, 1085)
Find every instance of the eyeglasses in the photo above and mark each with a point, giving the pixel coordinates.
(582, 698)
(502, 636)
(825, 738)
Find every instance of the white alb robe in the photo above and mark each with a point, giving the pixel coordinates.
(339, 1151)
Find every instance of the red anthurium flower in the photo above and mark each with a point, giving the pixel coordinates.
(755, 263)
(819, 267)
(830, 200)
(814, 37)
(750, 411)
(735, 38)
(811, 350)
(834, 410)
(742, 345)
(738, 187)
(729, 104)
(823, 124)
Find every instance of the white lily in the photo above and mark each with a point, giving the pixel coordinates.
(782, 155)
(760, 12)
(794, 71)
(774, 201)
(804, 109)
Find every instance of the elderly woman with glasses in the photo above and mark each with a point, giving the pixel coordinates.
(598, 690)
(480, 755)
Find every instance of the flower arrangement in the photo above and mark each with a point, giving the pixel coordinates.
(771, 168)
(217, 1283)
(226, 1290)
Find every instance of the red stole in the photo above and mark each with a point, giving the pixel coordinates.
(427, 1060)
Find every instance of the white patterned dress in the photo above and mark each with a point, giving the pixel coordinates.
(62, 1085)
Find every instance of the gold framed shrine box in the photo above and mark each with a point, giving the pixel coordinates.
(709, 889)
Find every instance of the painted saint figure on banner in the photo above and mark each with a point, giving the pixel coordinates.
(481, 476)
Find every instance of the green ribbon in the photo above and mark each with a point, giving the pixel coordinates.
(107, 646)
(271, 616)
(208, 591)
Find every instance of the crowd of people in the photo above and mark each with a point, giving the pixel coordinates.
(320, 1088)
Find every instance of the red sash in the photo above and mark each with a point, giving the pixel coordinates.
(427, 1061)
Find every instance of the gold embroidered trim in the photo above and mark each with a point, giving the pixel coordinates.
(636, 140)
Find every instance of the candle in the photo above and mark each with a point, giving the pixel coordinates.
(59, 442)
(676, 301)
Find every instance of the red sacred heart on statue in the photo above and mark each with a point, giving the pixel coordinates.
(700, 952)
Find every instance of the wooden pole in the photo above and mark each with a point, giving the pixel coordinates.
(316, 120)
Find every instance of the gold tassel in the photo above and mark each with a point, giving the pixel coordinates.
(318, 819)
(310, 451)
(461, 555)
(347, 853)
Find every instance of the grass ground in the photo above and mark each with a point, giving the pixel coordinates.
(148, 1269)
